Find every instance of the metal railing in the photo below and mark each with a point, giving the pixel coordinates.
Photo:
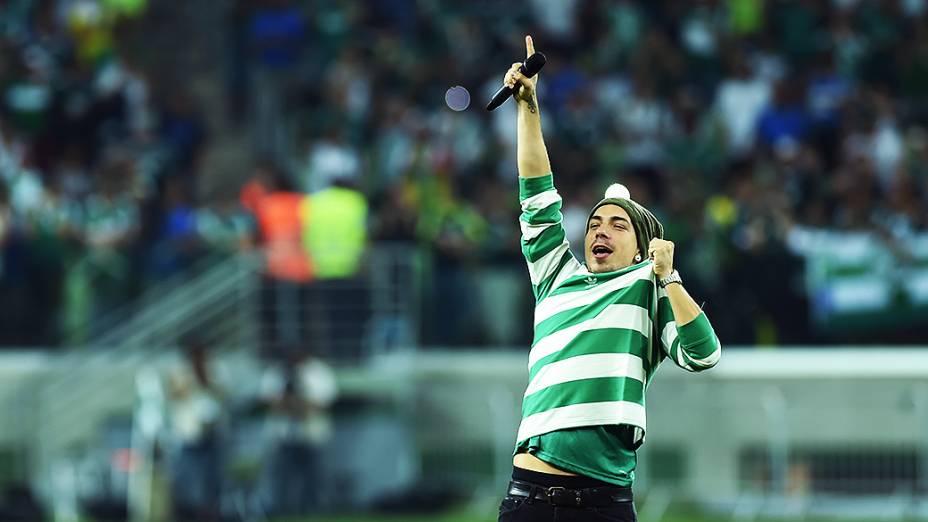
(226, 306)
(345, 320)
(87, 383)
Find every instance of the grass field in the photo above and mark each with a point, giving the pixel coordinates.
(471, 517)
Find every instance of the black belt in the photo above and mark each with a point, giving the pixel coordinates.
(560, 496)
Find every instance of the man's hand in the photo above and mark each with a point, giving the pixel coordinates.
(531, 153)
(661, 253)
(525, 95)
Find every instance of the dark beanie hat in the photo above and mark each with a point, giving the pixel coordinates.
(647, 227)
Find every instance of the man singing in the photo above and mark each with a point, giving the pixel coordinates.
(601, 330)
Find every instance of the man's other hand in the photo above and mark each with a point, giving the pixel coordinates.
(661, 253)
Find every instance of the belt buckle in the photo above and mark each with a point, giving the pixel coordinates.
(559, 495)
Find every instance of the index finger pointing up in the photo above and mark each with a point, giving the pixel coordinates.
(529, 46)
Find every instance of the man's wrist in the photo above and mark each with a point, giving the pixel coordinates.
(669, 279)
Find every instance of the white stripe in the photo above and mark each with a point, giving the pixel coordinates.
(558, 303)
(681, 361)
(592, 366)
(540, 201)
(587, 414)
(544, 267)
(537, 203)
(531, 231)
(669, 335)
(631, 317)
(572, 268)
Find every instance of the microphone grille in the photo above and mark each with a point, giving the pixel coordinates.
(534, 63)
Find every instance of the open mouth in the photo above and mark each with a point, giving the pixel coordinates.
(601, 251)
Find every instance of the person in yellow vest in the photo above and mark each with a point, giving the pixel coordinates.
(334, 236)
(335, 230)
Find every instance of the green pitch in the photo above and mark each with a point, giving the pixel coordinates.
(465, 516)
(470, 517)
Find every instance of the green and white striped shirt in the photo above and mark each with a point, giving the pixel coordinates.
(598, 337)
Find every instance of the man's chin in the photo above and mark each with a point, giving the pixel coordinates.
(606, 265)
(599, 268)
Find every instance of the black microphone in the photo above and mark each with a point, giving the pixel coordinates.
(530, 68)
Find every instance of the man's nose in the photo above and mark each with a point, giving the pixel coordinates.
(601, 233)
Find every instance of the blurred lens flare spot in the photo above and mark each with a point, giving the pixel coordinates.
(457, 98)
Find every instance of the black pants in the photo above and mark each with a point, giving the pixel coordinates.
(520, 509)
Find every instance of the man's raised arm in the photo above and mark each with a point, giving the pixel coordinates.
(532, 154)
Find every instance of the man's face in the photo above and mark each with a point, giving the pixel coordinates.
(610, 243)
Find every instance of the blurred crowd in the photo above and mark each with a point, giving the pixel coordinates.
(737, 121)
(98, 169)
(279, 428)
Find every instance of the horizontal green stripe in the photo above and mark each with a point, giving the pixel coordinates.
(588, 390)
(548, 240)
(696, 330)
(638, 293)
(602, 340)
(699, 351)
(697, 337)
(529, 187)
(547, 215)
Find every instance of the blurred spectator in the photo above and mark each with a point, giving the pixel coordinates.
(277, 31)
(644, 122)
(225, 226)
(456, 232)
(697, 145)
(197, 396)
(785, 122)
(348, 84)
(873, 135)
(739, 101)
(177, 244)
(276, 36)
(334, 236)
(182, 131)
(284, 290)
(111, 225)
(330, 159)
(297, 391)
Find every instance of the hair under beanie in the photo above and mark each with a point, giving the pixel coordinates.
(647, 227)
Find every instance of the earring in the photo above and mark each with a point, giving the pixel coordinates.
(638, 257)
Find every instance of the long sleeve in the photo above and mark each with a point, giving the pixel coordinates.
(544, 242)
(693, 346)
